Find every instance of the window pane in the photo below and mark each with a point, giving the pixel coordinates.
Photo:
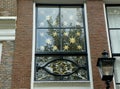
(113, 17)
(117, 86)
(70, 40)
(48, 17)
(115, 40)
(71, 17)
(61, 68)
(47, 40)
(73, 40)
(117, 68)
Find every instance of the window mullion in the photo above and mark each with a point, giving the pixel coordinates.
(60, 30)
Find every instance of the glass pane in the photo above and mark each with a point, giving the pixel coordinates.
(115, 40)
(61, 68)
(48, 17)
(71, 17)
(117, 86)
(117, 68)
(73, 40)
(113, 17)
(107, 70)
(47, 40)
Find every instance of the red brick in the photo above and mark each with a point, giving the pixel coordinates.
(23, 46)
(6, 64)
(97, 36)
(8, 7)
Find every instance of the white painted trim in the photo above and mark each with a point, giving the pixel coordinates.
(0, 52)
(88, 46)
(33, 49)
(106, 24)
(7, 34)
(109, 48)
(60, 1)
(8, 17)
(112, 1)
(7, 38)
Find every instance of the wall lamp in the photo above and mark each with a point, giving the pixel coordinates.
(106, 68)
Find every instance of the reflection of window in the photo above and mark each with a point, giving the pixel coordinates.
(113, 14)
(60, 52)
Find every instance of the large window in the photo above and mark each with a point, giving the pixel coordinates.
(61, 51)
(113, 15)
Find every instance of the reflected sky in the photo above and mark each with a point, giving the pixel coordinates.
(59, 17)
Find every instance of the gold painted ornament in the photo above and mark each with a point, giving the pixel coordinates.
(48, 41)
(65, 34)
(66, 47)
(54, 34)
(72, 40)
(55, 48)
(78, 33)
(79, 47)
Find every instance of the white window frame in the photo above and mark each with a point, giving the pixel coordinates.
(82, 84)
(108, 36)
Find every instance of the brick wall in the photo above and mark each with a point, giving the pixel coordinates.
(8, 8)
(6, 64)
(23, 46)
(97, 36)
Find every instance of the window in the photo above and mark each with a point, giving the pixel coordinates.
(113, 14)
(61, 51)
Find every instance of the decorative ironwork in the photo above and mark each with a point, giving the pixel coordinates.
(61, 68)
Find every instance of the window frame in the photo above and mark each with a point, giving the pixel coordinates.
(65, 53)
(114, 29)
(109, 28)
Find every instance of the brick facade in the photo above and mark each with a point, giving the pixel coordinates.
(97, 36)
(8, 8)
(6, 64)
(23, 46)
(21, 72)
